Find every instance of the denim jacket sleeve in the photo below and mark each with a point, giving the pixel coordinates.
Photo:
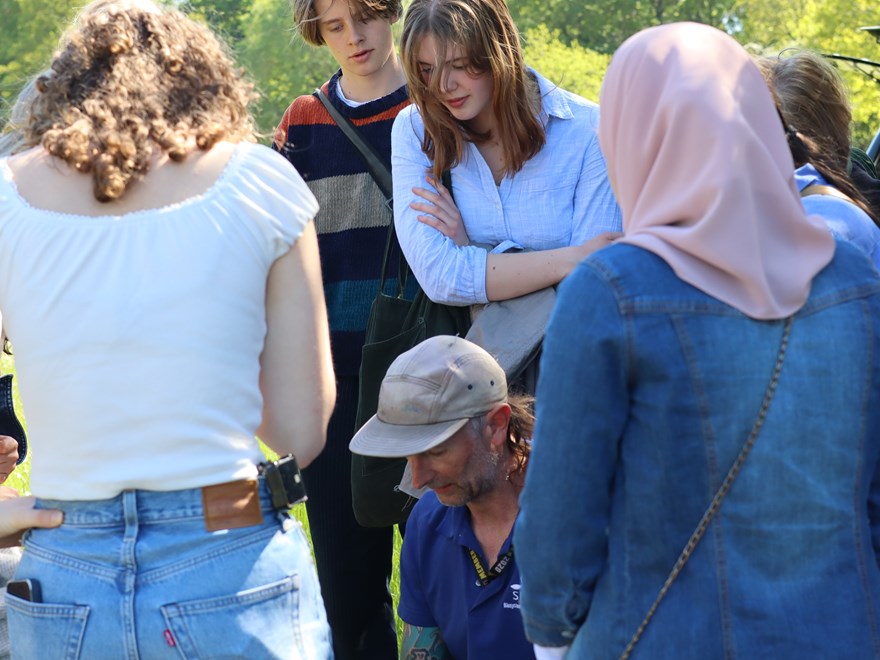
(874, 487)
(582, 407)
(874, 512)
(448, 273)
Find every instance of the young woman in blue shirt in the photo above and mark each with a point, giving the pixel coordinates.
(523, 154)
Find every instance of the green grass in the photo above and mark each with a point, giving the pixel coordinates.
(20, 480)
(299, 512)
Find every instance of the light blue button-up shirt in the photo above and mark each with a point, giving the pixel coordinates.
(561, 197)
(845, 220)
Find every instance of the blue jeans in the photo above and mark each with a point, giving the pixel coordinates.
(138, 576)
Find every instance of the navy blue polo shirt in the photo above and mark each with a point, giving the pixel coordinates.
(439, 586)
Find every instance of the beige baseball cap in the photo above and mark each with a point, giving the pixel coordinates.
(428, 394)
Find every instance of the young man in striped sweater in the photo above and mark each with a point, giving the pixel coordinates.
(354, 563)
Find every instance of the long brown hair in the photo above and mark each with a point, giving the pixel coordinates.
(486, 32)
(521, 428)
(130, 78)
(815, 110)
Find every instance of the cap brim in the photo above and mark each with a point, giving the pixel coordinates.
(377, 438)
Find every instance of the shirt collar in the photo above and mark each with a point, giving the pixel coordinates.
(807, 175)
(455, 524)
(553, 100)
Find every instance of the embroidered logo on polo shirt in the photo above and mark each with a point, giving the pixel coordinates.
(514, 596)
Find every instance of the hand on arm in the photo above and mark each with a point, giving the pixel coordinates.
(423, 643)
(18, 514)
(512, 275)
(440, 212)
(296, 370)
(448, 270)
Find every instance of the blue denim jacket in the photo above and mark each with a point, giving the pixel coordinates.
(648, 390)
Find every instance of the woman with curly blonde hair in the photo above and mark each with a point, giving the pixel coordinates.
(161, 282)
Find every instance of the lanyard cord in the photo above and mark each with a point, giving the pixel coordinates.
(485, 577)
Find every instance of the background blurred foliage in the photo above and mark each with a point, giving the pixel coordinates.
(569, 41)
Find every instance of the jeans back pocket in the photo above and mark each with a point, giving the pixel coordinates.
(256, 623)
(45, 630)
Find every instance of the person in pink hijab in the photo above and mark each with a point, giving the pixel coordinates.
(726, 339)
(700, 165)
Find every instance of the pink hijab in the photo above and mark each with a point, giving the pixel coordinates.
(701, 169)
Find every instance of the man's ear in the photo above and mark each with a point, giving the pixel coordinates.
(497, 421)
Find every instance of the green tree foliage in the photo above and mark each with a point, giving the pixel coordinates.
(226, 17)
(29, 31)
(826, 26)
(573, 67)
(282, 65)
(602, 25)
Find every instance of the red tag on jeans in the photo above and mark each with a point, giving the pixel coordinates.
(169, 638)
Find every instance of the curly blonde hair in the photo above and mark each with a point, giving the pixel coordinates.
(130, 78)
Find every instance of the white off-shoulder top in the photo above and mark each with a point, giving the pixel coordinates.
(137, 337)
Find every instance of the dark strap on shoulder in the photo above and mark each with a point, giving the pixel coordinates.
(381, 173)
(818, 189)
(403, 269)
(379, 169)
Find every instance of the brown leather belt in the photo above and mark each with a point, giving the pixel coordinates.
(232, 505)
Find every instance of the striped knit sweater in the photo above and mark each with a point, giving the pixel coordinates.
(353, 221)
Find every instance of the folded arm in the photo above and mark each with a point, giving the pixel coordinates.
(434, 239)
(448, 273)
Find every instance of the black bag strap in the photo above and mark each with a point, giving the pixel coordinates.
(381, 173)
(403, 269)
(379, 169)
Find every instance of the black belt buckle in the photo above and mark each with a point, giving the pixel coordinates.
(285, 481)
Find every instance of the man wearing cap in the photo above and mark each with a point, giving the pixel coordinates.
(444, 405)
